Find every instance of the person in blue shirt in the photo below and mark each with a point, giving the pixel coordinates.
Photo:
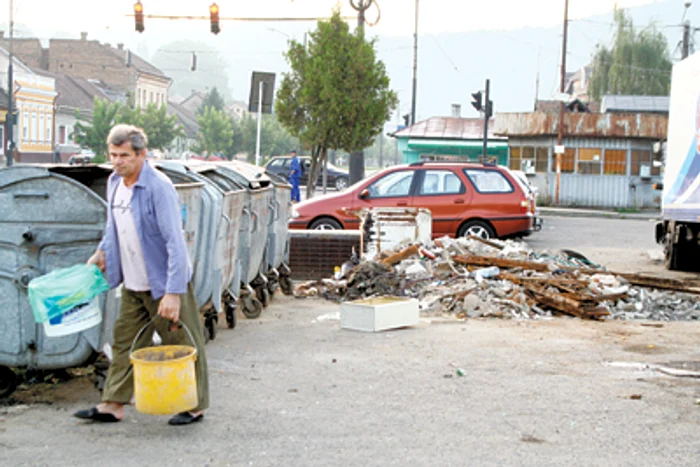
(295, 176)
(144, 250)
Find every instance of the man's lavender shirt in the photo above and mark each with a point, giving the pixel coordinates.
(156, 210)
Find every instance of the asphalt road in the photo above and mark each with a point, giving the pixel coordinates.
(293, 389)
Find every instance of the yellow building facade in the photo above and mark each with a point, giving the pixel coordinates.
(35, 97)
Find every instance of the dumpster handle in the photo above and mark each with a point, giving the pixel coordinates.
(277, 207)
(32, 195)
(255, 226)
(246, 212)
(228, 223)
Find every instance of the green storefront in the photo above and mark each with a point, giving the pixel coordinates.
(449, 138)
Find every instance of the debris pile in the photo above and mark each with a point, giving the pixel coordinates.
(472, 277)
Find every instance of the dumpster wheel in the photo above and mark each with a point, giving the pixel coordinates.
(231, 314)
(286, 285)
(210, 326)
(263, 295)
(272, 286)
(8, 382)
(252, 307)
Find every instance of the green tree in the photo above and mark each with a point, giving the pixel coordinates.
(160, 128)
(275, 140)
(638, 62)
(93, 133)
(336, 95)
(215, 132)
(214, 100)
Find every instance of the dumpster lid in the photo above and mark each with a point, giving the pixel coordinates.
(254, 176)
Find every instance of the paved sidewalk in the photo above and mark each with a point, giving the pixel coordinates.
(579, 212)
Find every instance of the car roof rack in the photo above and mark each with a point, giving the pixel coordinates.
(422, 163)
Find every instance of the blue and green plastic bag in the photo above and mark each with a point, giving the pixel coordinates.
(61, 290)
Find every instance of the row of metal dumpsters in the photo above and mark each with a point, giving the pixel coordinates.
(235, 225)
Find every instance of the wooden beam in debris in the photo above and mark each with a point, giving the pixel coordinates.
(401, 255)
(485, 242)
(475, 260)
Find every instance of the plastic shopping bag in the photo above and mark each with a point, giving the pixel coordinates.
(60, 291)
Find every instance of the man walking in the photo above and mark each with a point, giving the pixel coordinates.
(144, 249)
(295, 176)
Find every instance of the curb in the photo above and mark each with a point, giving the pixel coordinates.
(563, 212)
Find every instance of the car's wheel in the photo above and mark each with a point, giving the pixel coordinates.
(477, 229)
(341, 183)
(325, 223)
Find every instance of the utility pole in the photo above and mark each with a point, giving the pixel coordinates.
(356, 160)
(685, 47)
(560, 136)
(486, 121)
(415, 69)
(9, 118)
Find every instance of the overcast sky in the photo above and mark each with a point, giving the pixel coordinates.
(106, 20)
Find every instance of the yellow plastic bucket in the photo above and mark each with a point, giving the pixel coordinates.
(164, 377)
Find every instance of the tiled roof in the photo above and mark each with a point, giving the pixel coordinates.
(186, 118)
(137, 62)
(448, 128)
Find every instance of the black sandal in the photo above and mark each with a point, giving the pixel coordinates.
(96, 416)
(185, 418)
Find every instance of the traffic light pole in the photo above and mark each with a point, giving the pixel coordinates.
(356, 161)
(486, 122)
(9, 118)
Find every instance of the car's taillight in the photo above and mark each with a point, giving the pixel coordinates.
(525, 206)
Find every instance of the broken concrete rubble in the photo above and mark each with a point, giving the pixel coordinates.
(473, 277)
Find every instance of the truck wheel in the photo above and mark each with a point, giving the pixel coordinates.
(8, 382)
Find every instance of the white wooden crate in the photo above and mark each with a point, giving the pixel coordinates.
(379, 314)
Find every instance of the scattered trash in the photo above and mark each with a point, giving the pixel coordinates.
(476, 278)
(460, 372)
(636, 397)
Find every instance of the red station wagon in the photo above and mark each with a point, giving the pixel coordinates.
(464, 198)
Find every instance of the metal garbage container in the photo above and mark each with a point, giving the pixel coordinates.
(49, 219)
(279, 240)
(254, 234)
(209, 283)
(229, 239)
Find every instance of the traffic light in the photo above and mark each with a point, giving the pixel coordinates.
(476, 103)
(214, 15)
(194, 61)
(489, 109)
(407, 119)
(138, 16)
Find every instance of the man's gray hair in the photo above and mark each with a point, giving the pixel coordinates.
(120, 134)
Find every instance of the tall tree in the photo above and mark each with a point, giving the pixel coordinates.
(275, 140)
(214, 100)
(336, 95)
(637, 63)
(215, 132)
(160, 128)
(93, 133)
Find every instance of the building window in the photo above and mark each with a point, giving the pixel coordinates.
(151, 99)
(568, 161)
(615, 162)
(42, 129)
(25, 126)
(32, 128)
(541, 160)
(49, 128)
(515, 158)
(589, 161)
(642, 163)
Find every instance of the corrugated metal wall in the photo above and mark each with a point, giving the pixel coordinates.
(605, 191)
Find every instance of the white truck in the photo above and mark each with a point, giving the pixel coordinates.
(679, 231)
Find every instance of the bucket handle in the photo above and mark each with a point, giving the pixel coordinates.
(138, 334)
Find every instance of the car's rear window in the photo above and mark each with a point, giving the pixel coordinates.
(489, 181)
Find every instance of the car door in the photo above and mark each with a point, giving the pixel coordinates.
(390, 190)
(444, 193)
